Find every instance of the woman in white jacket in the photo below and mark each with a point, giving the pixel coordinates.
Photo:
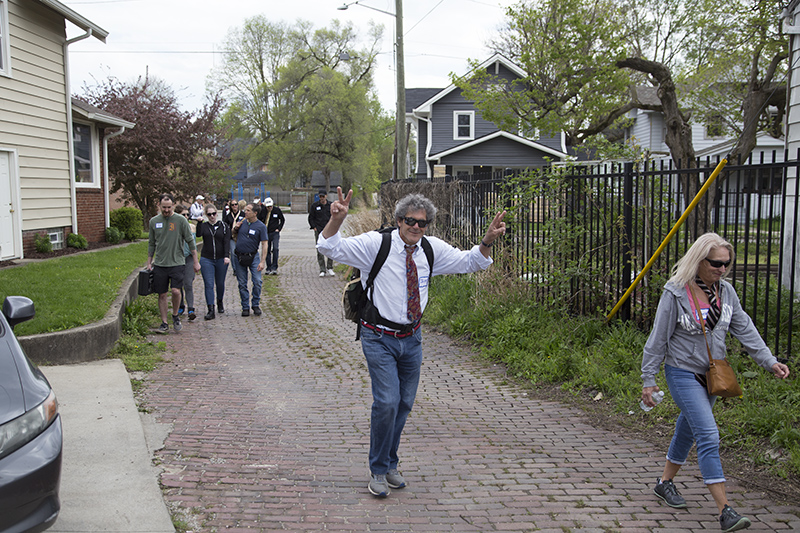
(677, 340)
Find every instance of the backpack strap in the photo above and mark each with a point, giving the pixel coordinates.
(428, 249)
(380, 259)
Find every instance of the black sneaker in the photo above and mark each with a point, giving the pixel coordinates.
(667, 491)
(192, 314)
(163, 328)
(245, 312)
(176, 323)
(730, 520)
(257, 311)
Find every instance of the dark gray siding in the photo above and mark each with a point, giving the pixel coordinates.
(499, 152)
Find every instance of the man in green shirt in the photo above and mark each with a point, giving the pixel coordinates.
(165, 258)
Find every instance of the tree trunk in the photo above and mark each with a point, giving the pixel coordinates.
(678, 139)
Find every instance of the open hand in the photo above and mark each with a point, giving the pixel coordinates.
(496, 228)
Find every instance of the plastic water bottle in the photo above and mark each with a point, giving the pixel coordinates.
(657, 397)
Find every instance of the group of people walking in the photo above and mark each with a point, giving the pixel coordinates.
(697, 310)
(247, 239)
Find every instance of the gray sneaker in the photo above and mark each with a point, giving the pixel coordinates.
(395, 479)
(163, 328)
(378, 486)
(176, 323)
(730, 520)
(667, 491)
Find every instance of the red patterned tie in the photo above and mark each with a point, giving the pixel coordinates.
(412, 285)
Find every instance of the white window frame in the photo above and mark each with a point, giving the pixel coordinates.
(471, 115)
(5, 48)
(95, 155)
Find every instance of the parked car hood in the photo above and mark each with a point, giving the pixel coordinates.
(22, 384)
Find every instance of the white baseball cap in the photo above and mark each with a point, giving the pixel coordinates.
(199, 197)
(268, 202)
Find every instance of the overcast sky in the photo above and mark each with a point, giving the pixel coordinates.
(179, 40)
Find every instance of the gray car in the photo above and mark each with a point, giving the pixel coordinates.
(30, 432)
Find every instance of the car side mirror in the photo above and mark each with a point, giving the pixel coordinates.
(18, 309)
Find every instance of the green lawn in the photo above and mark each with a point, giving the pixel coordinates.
(73, 290)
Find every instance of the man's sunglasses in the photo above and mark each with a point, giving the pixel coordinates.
(717, 264)
(411, 221)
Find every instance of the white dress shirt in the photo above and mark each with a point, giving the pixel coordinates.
(390, 284)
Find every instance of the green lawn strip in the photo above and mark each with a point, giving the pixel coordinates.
(73, 290)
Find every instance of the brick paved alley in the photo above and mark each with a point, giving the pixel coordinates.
(270, 430)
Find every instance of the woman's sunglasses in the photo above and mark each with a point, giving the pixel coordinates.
(717, 264)
(212, 213)
(411, 221)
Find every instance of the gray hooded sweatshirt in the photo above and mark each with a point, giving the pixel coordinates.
(677, 337)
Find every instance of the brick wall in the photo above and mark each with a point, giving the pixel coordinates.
(91, 214)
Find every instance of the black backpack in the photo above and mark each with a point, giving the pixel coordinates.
(357, 300)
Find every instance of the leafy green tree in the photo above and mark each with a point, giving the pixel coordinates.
(306, 97)
(169, 150)
(708, 59)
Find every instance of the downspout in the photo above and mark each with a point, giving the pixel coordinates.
(70, 147)
(106, 137)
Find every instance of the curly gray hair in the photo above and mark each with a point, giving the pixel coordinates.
(414, 202)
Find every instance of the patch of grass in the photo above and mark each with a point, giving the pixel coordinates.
(136, 352)
(546, 347)
(74, 290)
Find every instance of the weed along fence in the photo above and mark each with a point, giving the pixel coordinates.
(579, 235)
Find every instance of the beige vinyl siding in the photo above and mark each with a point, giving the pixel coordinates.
(33, 114)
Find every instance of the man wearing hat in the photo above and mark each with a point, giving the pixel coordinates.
(196, 210)
(318, 217)
(275, 221)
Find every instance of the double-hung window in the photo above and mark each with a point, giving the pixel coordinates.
(85, 148)
(463, 125)
(5, 49)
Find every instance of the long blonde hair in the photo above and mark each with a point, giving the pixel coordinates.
(685, 270)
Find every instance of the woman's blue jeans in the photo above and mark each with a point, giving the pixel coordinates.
(213, 271)
(394, 368)
(695, 424)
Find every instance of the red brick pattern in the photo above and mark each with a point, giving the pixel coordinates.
(271, 430)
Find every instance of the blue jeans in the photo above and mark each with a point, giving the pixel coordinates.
(394, 368)
(695, 424)
(213, 271)
(272, 251)
(241, 276)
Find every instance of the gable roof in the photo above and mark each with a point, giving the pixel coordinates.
(90, 112)
(495, 135)
(496, 60)
(76, 18)
(415, 97)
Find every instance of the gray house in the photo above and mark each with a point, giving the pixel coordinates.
(454, 139)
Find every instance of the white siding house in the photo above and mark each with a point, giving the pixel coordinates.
(36, 191)
(791, 26)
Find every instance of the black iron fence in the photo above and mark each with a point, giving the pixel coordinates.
(578, 236)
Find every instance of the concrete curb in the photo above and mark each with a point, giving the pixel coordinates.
(85, 343)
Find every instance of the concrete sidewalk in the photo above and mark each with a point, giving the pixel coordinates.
(108, 482)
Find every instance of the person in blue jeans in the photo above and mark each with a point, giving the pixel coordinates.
(250, 256)
(391, 338)
(697, 289)
(214, 257)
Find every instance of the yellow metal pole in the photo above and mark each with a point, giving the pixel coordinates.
(666, 240)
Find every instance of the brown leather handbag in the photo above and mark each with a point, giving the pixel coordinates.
(720, 377)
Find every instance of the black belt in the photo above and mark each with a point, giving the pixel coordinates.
(406, 331)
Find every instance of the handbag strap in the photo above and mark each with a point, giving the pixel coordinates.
(702, 324)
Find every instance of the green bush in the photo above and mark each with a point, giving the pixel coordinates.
(76, 240)
(41, 241)
(129, 221)
(114, 235)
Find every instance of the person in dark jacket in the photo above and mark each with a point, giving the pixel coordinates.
(214, 258)
(318, 217)
(275, 222)
(235, 215)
